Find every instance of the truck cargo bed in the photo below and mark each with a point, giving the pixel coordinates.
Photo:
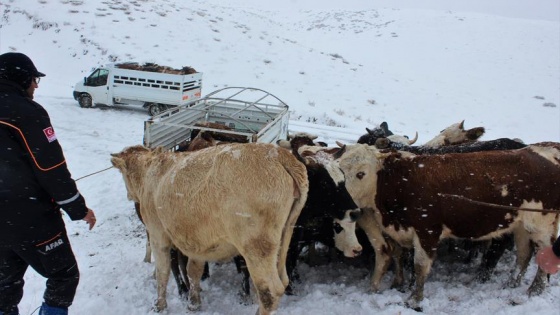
(253, 113)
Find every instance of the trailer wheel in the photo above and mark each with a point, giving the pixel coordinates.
(85, 101)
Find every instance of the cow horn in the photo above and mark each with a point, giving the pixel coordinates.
(340, 144)
(410, 142)
(369, 131)
(462, 125)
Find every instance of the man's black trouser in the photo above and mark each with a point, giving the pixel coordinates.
(53, 259)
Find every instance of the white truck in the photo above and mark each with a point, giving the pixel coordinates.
(154, 87)
(253, 114)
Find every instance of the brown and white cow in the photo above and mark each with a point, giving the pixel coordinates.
(456, 134)
(211, 208)
(410, 198)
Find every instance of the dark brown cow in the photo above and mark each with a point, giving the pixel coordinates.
(411, 199)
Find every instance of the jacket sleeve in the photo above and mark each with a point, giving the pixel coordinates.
(47, 159)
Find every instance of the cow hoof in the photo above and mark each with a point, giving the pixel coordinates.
(193, 307)
(513, 283)
(160, 305)
(535, 290)
(401, 289)
(245, 298)
(414, 306)
(483, 276)
(413, 302)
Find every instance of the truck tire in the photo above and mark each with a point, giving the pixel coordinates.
(156, 109)
(85, 101)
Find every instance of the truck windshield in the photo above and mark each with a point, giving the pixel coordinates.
(98, 78)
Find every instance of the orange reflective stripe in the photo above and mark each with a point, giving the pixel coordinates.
(29, 149)
(45, 242)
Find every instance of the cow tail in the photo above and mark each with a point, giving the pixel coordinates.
(298, 172)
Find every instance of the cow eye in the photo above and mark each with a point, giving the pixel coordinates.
(360, 175)
(337, 228)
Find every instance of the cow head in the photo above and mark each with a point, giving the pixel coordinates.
(202, 140)
(383, 132)
(297, 140)
(360, 164)
(345, 233)
(328, 196)
(456, 134)
(128, 162)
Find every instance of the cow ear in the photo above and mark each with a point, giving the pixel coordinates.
(310, 160)
(284, 144)
(381, 154)
(304, 152)
(339, 152)
(118, 162)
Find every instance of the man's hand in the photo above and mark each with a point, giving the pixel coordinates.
(90, 218)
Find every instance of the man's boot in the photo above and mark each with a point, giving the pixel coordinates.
(51, 310)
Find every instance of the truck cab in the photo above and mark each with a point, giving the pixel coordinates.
(93, 89)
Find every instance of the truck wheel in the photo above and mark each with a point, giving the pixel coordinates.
(154, 109)
(85, 101)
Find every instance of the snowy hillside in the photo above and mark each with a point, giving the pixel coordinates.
(418, 67)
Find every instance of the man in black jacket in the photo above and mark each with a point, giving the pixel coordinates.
(35, 185)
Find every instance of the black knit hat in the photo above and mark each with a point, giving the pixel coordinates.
(18, 68)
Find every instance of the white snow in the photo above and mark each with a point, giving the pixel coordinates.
(419, 65)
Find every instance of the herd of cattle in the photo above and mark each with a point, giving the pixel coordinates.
(262, 203)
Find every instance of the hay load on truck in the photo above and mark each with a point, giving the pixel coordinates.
(156, 88)
(236, 114)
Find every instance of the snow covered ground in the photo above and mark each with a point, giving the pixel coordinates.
(346, 65)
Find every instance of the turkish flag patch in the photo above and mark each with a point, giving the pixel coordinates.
(49, 132)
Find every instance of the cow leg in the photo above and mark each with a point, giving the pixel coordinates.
(424, 255)
(148, 255)
(195, 269)
(161, 246)
(541, 239)
(381, 248)
(524, 253)
(245, 281)
(539, 283)
(176, 271)
(268, 286)
(492, 256)
(398, 258)
(291, 259)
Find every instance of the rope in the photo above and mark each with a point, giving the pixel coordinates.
(481, 203)
(103, 170)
